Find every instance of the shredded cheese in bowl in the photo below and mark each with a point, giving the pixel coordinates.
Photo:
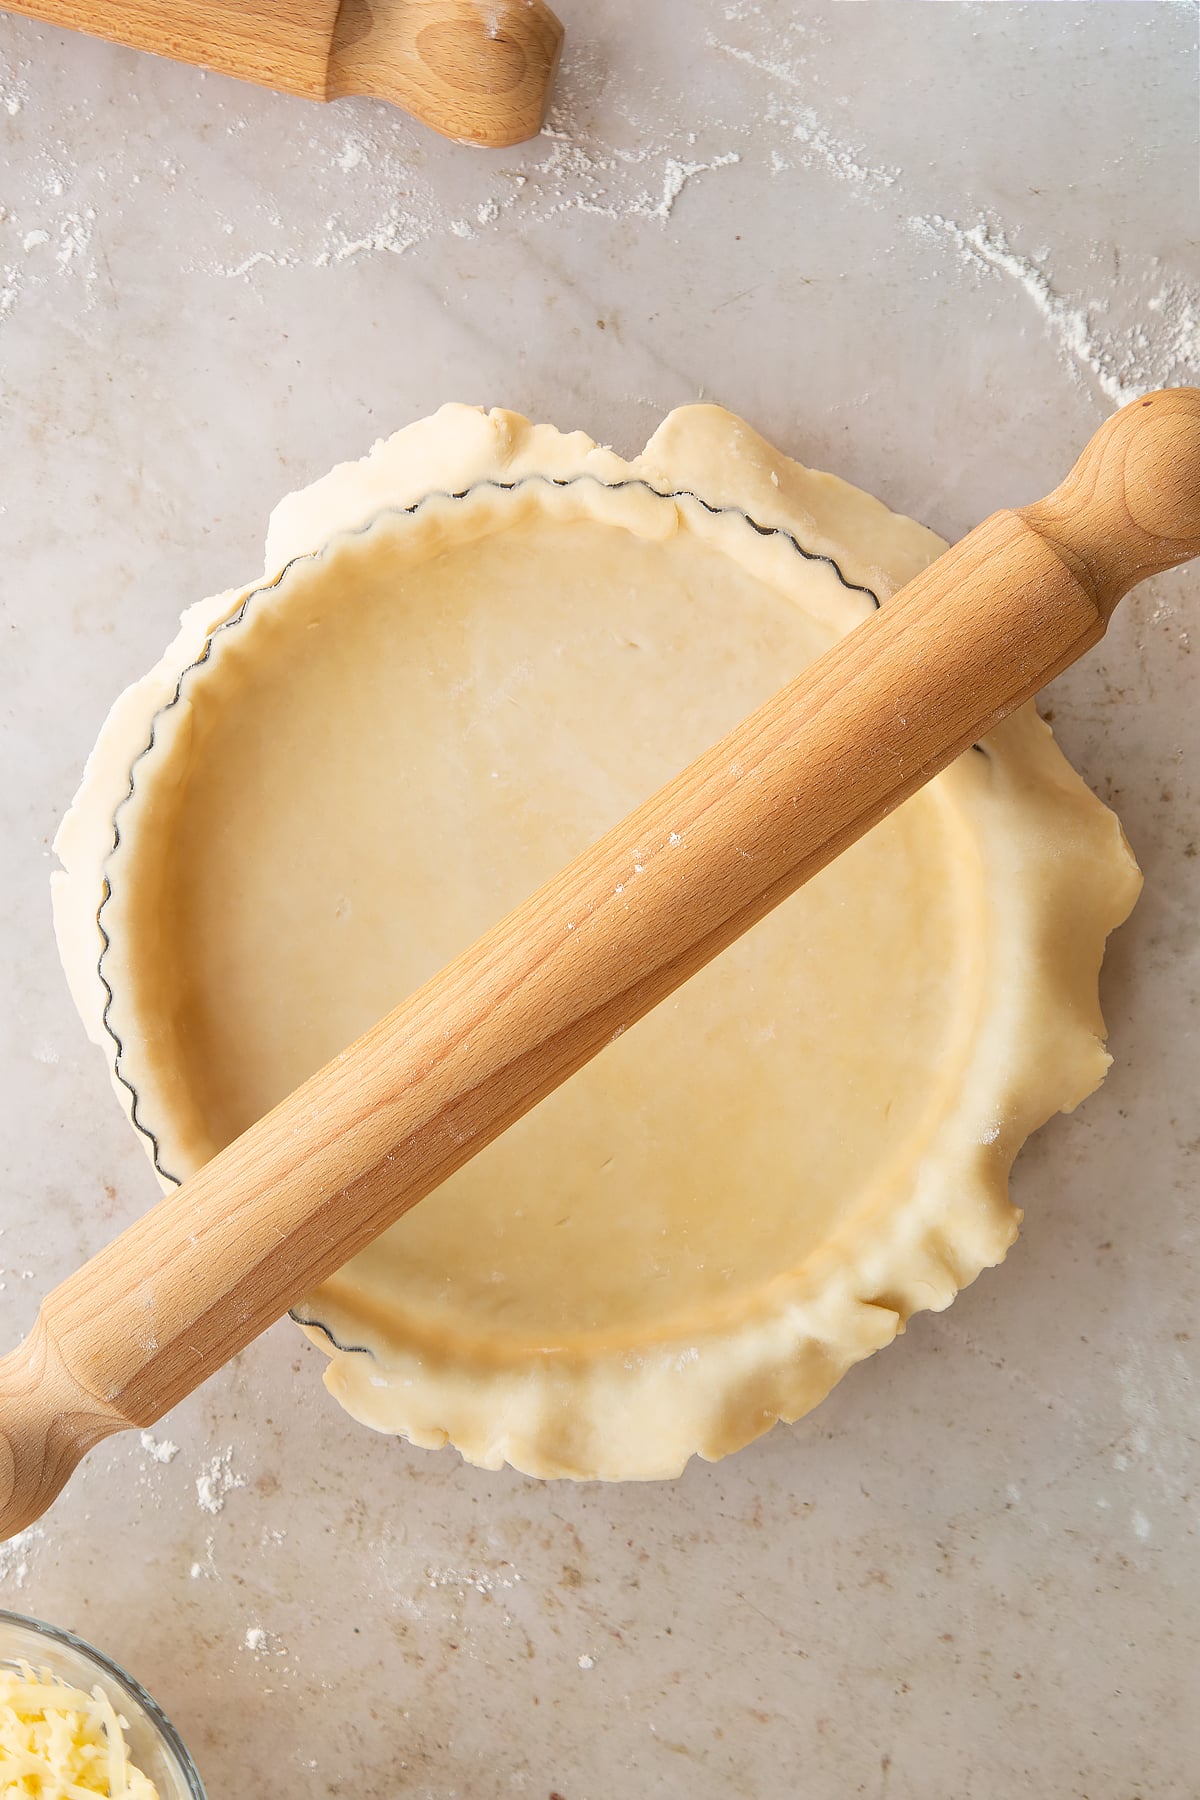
(74, 1725)
(59, 1743)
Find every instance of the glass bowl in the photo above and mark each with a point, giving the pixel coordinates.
(154, 1744)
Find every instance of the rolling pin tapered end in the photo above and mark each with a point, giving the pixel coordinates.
(480, 73)
(48, 1423)
(1130, 508)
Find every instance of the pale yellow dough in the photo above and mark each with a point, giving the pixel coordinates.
(334, 781)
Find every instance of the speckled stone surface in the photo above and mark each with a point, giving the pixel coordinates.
(928, 247)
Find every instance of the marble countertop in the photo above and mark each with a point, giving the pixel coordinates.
(928, 247)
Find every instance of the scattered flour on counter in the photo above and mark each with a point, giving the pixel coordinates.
(260, 1642)
(11, 287)
(15, 1556)
(989, 249)
(216, 1481)
(817, 146)
(377, 199)
(1124, 363)
(676, 176)
(480, 1579)
(49, 212)
(159, 1450)
(583, 173)
(13, 92)
(628, 152)
(206, 1570)
(75, 230)
(260, 258)
(1175, 347)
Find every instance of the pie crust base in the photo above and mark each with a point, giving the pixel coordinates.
(488, 642)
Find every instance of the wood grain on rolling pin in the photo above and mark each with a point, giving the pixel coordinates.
(479, 71)
(276, 43)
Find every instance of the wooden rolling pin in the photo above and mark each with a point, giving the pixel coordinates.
(479, 71)
(212, 1265)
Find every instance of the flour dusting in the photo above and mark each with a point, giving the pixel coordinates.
(814, 142)
(159, 1450)
(676, 176)
(375, 187)
(13, 91)
(622, 153)
(481, 1580)
(16, 1554)
(206, 1570)
(1124, 363)
(216, 1481)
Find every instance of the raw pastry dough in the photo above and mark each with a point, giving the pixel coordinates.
(488, 642)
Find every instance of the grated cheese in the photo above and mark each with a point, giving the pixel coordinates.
(58, 1743)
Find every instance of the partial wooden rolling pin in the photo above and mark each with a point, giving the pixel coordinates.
(479, 71)
(975, 635)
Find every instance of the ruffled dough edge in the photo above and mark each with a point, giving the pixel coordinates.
(1056, 866)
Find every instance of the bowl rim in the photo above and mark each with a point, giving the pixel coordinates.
(123, 1680)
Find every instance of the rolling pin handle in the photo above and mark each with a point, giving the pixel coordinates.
(477, 71)
(1130, 508)
(48, 1423)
